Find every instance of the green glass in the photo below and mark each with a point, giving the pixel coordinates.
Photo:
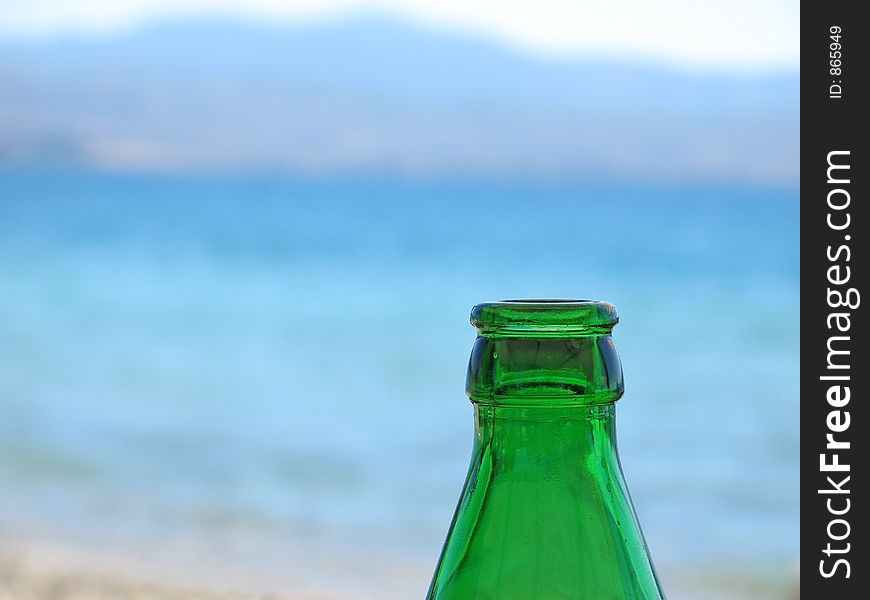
(545, 513)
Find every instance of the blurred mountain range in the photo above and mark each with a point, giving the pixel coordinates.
(374, 95)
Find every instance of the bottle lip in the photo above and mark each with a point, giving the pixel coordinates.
(545, 316)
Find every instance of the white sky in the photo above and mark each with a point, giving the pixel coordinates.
(730, 34)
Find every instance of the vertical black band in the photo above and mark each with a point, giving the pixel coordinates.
(834, 370)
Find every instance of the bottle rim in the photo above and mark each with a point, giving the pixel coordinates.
(544, 315)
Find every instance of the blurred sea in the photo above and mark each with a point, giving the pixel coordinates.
(273, 369)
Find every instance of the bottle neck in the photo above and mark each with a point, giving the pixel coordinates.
(549, 442)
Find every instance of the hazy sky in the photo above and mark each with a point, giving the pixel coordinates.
(731, 34)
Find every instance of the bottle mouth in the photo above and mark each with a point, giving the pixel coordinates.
(544, 316)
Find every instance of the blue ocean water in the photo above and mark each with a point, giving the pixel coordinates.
(185, 356)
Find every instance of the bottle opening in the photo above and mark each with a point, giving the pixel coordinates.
(554, 316)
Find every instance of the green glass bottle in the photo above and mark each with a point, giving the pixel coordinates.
(545, 513)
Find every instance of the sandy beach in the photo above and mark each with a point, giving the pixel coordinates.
(20, 581)
(45, 568)
(48, 571)
(23, 581)
(44, 572)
